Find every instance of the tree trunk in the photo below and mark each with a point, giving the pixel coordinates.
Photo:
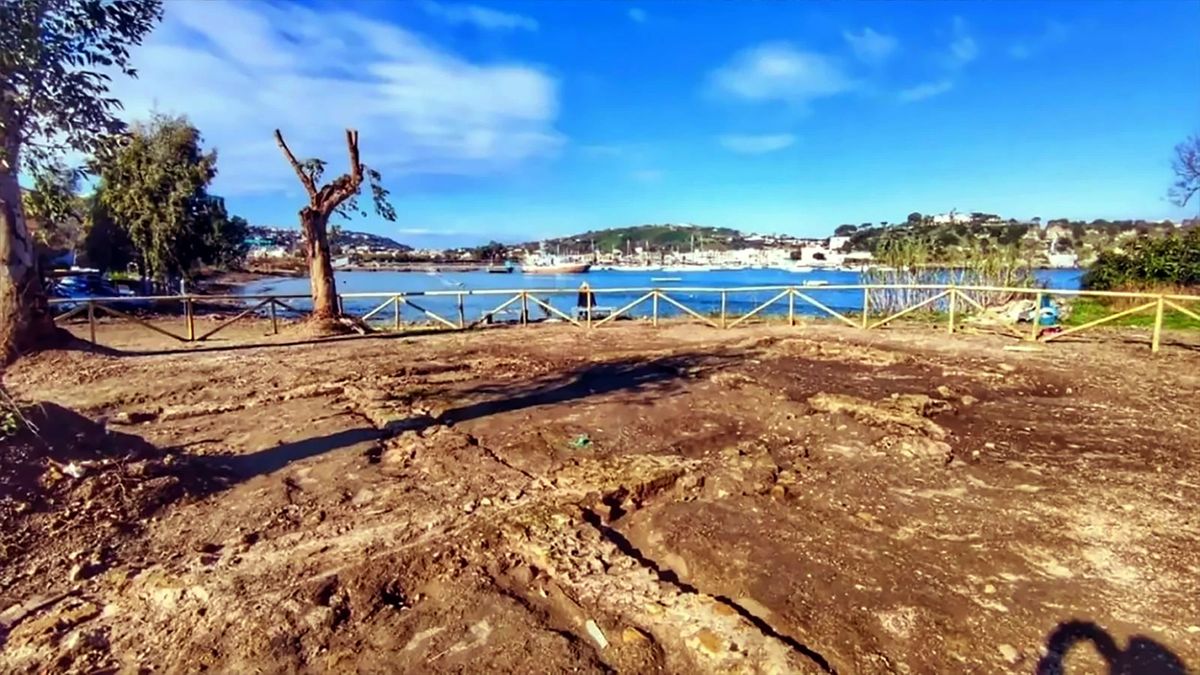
(25, 321)
(314, 224)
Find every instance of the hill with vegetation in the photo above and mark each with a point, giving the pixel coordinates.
(664, 237)
(339, 238)
(981, 232)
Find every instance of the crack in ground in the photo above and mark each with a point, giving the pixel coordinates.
(667, 575)
(492, 454)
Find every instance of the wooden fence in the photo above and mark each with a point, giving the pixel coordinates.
(953, 303)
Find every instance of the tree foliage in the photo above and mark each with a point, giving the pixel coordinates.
(55, 208)
(56, 64)
(154, 185)
(1147, 262)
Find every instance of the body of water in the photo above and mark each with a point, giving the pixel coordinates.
(738, 302)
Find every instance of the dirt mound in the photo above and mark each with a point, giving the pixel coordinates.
(64, 478)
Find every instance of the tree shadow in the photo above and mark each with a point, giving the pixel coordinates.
(654, 377)
(1142, 656)
(72, 343)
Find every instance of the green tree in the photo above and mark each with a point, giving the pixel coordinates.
(153, 182)
(106, 245)
(339, 196)
(845, 230)
(54, 211)
(224, 236)
(915, 218)
(56, 60)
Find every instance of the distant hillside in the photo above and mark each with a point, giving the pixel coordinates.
(648, 237)
(342, 239)
(984, 231)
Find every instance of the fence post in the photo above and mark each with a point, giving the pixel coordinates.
(953, 309)
(1037, 317)
(524, 307)
(792, 307)
(1156, 339)
(724, 295)
(396, 313)
(462, 317)
(92, 321)
(189, 313)
(274, 319)
(655, 309)
(866, 306)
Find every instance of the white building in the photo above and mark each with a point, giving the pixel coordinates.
(952, 218)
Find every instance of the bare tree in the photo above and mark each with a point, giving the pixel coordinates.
(340, 196)
(1187, 171)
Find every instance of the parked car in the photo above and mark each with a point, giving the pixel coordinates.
(85, 285)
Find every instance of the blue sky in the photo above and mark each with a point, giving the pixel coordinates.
(520, 120)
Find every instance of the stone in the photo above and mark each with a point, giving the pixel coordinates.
(989, 589)
(596, 634)
(1008, 652)
(968, 399)
(710, 641)
(633, 636)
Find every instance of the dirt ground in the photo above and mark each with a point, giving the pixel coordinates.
(545, 499)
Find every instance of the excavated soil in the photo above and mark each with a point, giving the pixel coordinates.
(637, 500)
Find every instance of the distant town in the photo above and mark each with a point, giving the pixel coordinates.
(1055, 243)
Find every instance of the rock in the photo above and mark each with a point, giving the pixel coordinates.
(469, 506)
(778, 491)
(710, 641)
(486, 501)
(968, 399)
(596, 634)
(633, 636)
(945, 392)
(1008, 652)
(1006, 367)
(989, 589)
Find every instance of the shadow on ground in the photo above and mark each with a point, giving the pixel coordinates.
(1142, 656)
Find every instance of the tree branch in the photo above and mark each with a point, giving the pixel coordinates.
(346, 185)
(305, 179)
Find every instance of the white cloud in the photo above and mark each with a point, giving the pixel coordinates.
(647, 175)
(777, 71)
(637, 14)
(240, 70)
(925, 90)
(871, 47)
(756, 145)
(480, 17)
(963, 48)
(1053, 33)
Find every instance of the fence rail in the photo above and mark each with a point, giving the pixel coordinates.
(955, 302)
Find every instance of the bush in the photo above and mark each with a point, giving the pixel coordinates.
(1172, 260)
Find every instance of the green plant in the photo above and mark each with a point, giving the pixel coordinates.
(908, 260)
(9, 424)
(1149, 262)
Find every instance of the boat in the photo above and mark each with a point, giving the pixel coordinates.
(500, 269)
(803, 269)
(561, 268)
(666, 279)
(816, 282)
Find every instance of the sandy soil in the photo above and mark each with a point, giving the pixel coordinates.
(545, 499)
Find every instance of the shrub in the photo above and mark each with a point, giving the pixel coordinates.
(1171, 260)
